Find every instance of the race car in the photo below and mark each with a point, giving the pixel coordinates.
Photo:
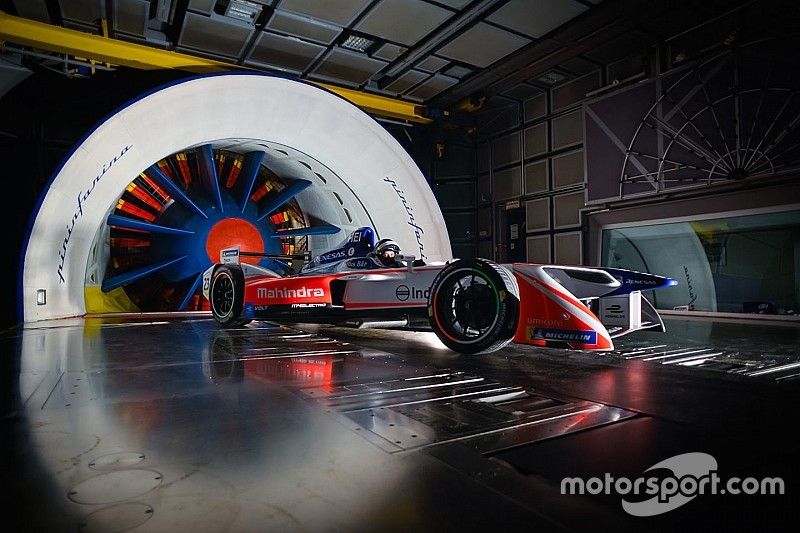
(473, 305)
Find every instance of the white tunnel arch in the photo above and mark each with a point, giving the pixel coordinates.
(385, 187)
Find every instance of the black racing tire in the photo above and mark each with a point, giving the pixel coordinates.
(226, 296)
(473, 306)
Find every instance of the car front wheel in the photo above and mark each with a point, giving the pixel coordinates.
(474, 306)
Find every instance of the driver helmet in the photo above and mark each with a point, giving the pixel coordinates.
(387, 252)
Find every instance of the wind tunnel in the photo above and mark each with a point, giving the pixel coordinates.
(146, 201)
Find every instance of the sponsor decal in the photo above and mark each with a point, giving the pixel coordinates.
(230, 253)
(332, 256)
(359, 263)
(614, 311)
(567, 335)
(547, 321)
(82, 198)
(302, 306)
(302, 292)
(634, 282)
(418, 231)
(404, 292)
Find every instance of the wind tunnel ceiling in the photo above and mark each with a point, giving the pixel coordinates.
(411, 49)
(437, 52)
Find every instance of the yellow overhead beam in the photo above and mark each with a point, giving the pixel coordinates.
(52, 38)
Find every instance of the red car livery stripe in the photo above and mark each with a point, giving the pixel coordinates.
(548, 313)
(279, 291)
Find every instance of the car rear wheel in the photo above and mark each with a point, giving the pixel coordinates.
(474, 306)
(227, 296)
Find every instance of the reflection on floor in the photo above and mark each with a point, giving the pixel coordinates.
(177, 425)
(748, 349)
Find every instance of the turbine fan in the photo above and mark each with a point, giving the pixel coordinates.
(172, 220)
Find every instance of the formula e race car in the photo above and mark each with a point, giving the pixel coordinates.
(473, 305)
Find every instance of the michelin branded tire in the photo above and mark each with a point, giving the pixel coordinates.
(227, 296)
(474, 306)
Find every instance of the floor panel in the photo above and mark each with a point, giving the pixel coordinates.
(178, 425)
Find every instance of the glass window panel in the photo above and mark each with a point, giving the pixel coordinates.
(740, 264)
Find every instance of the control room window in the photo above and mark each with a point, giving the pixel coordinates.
(737, 264)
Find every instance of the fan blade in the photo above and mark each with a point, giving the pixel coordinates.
(302, 232)
(193, 289)
(155, 173)
(282, 197)
(208, 174)
(128, 277)
(130, 223)
(247, 177)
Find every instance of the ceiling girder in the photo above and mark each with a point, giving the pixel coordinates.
(102, 49)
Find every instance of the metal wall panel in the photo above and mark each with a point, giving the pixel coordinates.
(568, 169)
(403, 21)
(505, 150)
(536, 18)
(347, 66)
(566, 209)
(203, 6)
(87, 11)
(483, 157)
(568, 130)
(538, 249)
(389, 52)
(460, 225)
(11, 75)
(625, 68)
(340, 12)
(457, 161)
(522, 92)
(484, 188)
(484, 222)
(537, 215)
(574, 91)
(307, 28)
(485, 249)
(431, 64)
(433, 86)
(32, 9)
(536, 140)
(283, 52)
(535, 107)
(567, 247)
(463, 250)
(215, 34)
(536, 177)
(406, 81)
(455, 194)
(130, 16)
(507, 183)
(494, 45)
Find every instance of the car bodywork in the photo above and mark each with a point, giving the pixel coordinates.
(542, 305)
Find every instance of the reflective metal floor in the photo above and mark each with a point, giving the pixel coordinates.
(174, 425)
